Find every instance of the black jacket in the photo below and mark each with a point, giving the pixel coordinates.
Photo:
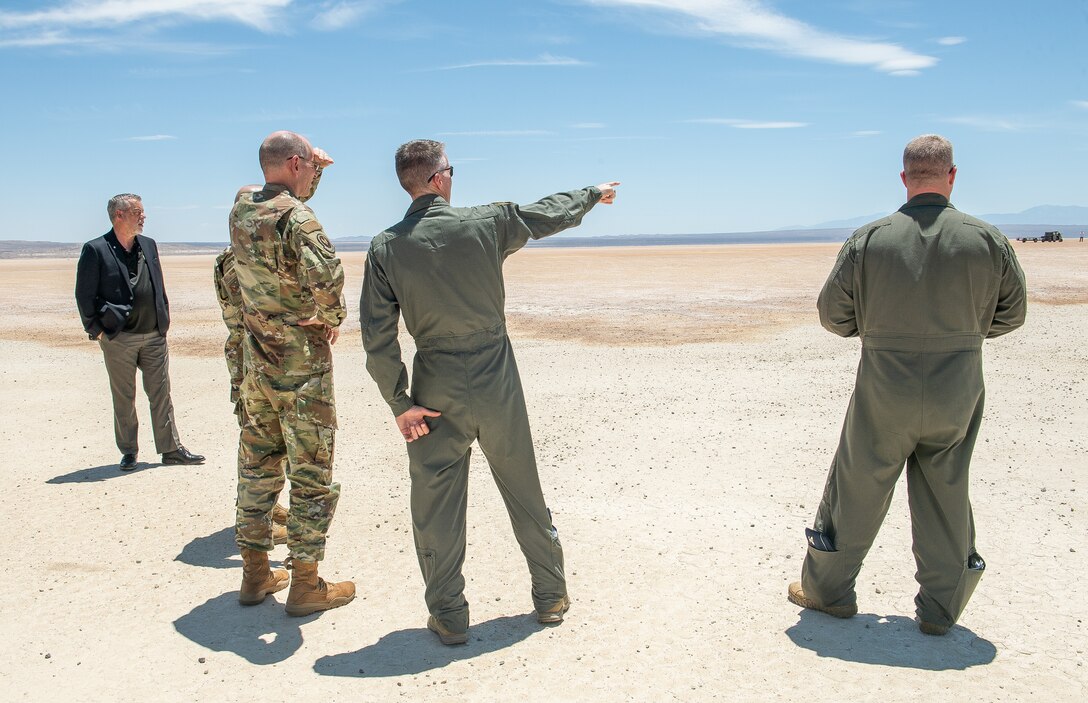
(103, 290)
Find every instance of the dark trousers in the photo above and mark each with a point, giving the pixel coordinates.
(147, 352)
(480, 397)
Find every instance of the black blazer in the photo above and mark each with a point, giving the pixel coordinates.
(102, 282)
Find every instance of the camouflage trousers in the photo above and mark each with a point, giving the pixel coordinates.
(288, 428)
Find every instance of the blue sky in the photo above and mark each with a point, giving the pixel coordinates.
(717, 115)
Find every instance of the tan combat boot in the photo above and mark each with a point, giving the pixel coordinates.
(279, 534)
(257, 579)
(279, 514)
(310, 593)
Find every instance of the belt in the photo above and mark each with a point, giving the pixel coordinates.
(462, 342)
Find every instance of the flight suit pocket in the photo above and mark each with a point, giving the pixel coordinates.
(426, 563)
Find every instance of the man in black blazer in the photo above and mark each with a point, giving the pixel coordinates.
(123, 305)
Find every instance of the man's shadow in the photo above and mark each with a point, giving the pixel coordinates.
(260, 634)
(890, 641)
(216, 551)
(102, 473)
(417, 650)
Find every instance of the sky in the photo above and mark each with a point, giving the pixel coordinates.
(715, 115)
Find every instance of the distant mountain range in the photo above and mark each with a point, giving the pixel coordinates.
(1071, 220)
(1051, 215)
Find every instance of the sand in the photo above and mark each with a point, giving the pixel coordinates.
(685, 405)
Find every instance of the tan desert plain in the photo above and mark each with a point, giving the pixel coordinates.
(685, 405)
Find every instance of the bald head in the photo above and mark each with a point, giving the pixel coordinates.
(278, 147)
(252, 188)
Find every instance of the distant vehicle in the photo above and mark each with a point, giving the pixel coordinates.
(1047, 237)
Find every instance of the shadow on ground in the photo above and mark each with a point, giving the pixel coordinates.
(890, 641)
(216, 551)
(101, 473)
(417, 650)
(260, 634)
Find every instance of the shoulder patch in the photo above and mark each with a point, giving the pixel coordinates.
(323, 240)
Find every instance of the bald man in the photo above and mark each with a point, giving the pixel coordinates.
(922, 288)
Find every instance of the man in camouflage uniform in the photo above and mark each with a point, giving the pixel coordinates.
(441, 268)
(291, 282)
(230, 304)
(922, 288)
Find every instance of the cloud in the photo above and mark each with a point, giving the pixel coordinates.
(84, 14)
(867, 133)
(747, 124)
(752, 23)
(542, 60)
(151, 138)
(589, 125)
(1080, 103)
(987, 123)
(951, 41)
(336, 15)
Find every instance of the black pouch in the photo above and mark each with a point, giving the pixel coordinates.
(113, 316)
(819, 540)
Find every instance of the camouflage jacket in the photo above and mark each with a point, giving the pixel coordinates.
(230, 303)
(287, 271)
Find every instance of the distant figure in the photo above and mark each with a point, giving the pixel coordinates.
(123, 305)
(441, 268)
(230, 304)
(922, 288)
(290, 282)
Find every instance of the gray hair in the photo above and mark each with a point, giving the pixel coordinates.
(121, 202)
(927, 157)
(280, 146)
(417, 161)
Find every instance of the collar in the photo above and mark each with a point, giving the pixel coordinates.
(927, 200)
(113, 241)
(424, 202)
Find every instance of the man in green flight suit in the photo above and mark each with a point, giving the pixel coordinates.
(922, 288)
(291, 285)
(441, 268)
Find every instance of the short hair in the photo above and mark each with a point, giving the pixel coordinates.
(121, 202)
(927, 157)
(280, 146)
(417, 161)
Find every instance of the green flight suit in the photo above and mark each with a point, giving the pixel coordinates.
(441, 268)
(922, 288)
(287, 271)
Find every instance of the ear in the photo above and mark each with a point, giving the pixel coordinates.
(903, 177)
(952, 175)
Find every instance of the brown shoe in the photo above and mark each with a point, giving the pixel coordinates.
(797, 597)
(932, 628)
(555, 613)
(279, 515)
(257, 579)
(445, 636)
(310, 593)
(279, 533)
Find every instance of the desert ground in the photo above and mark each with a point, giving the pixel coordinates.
(685, 405)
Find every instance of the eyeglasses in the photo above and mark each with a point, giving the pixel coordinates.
(303, 161)
(448, 168)
(952, 169)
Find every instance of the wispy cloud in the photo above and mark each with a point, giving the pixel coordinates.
(753, 23)
(747, 124)
(867, 133)
(988, 123)
(83, 14)
(951, 41)
(1080, 103)
(542, 60)
(589, 125)
(499, 133)
(151, 138)
(332, 16)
